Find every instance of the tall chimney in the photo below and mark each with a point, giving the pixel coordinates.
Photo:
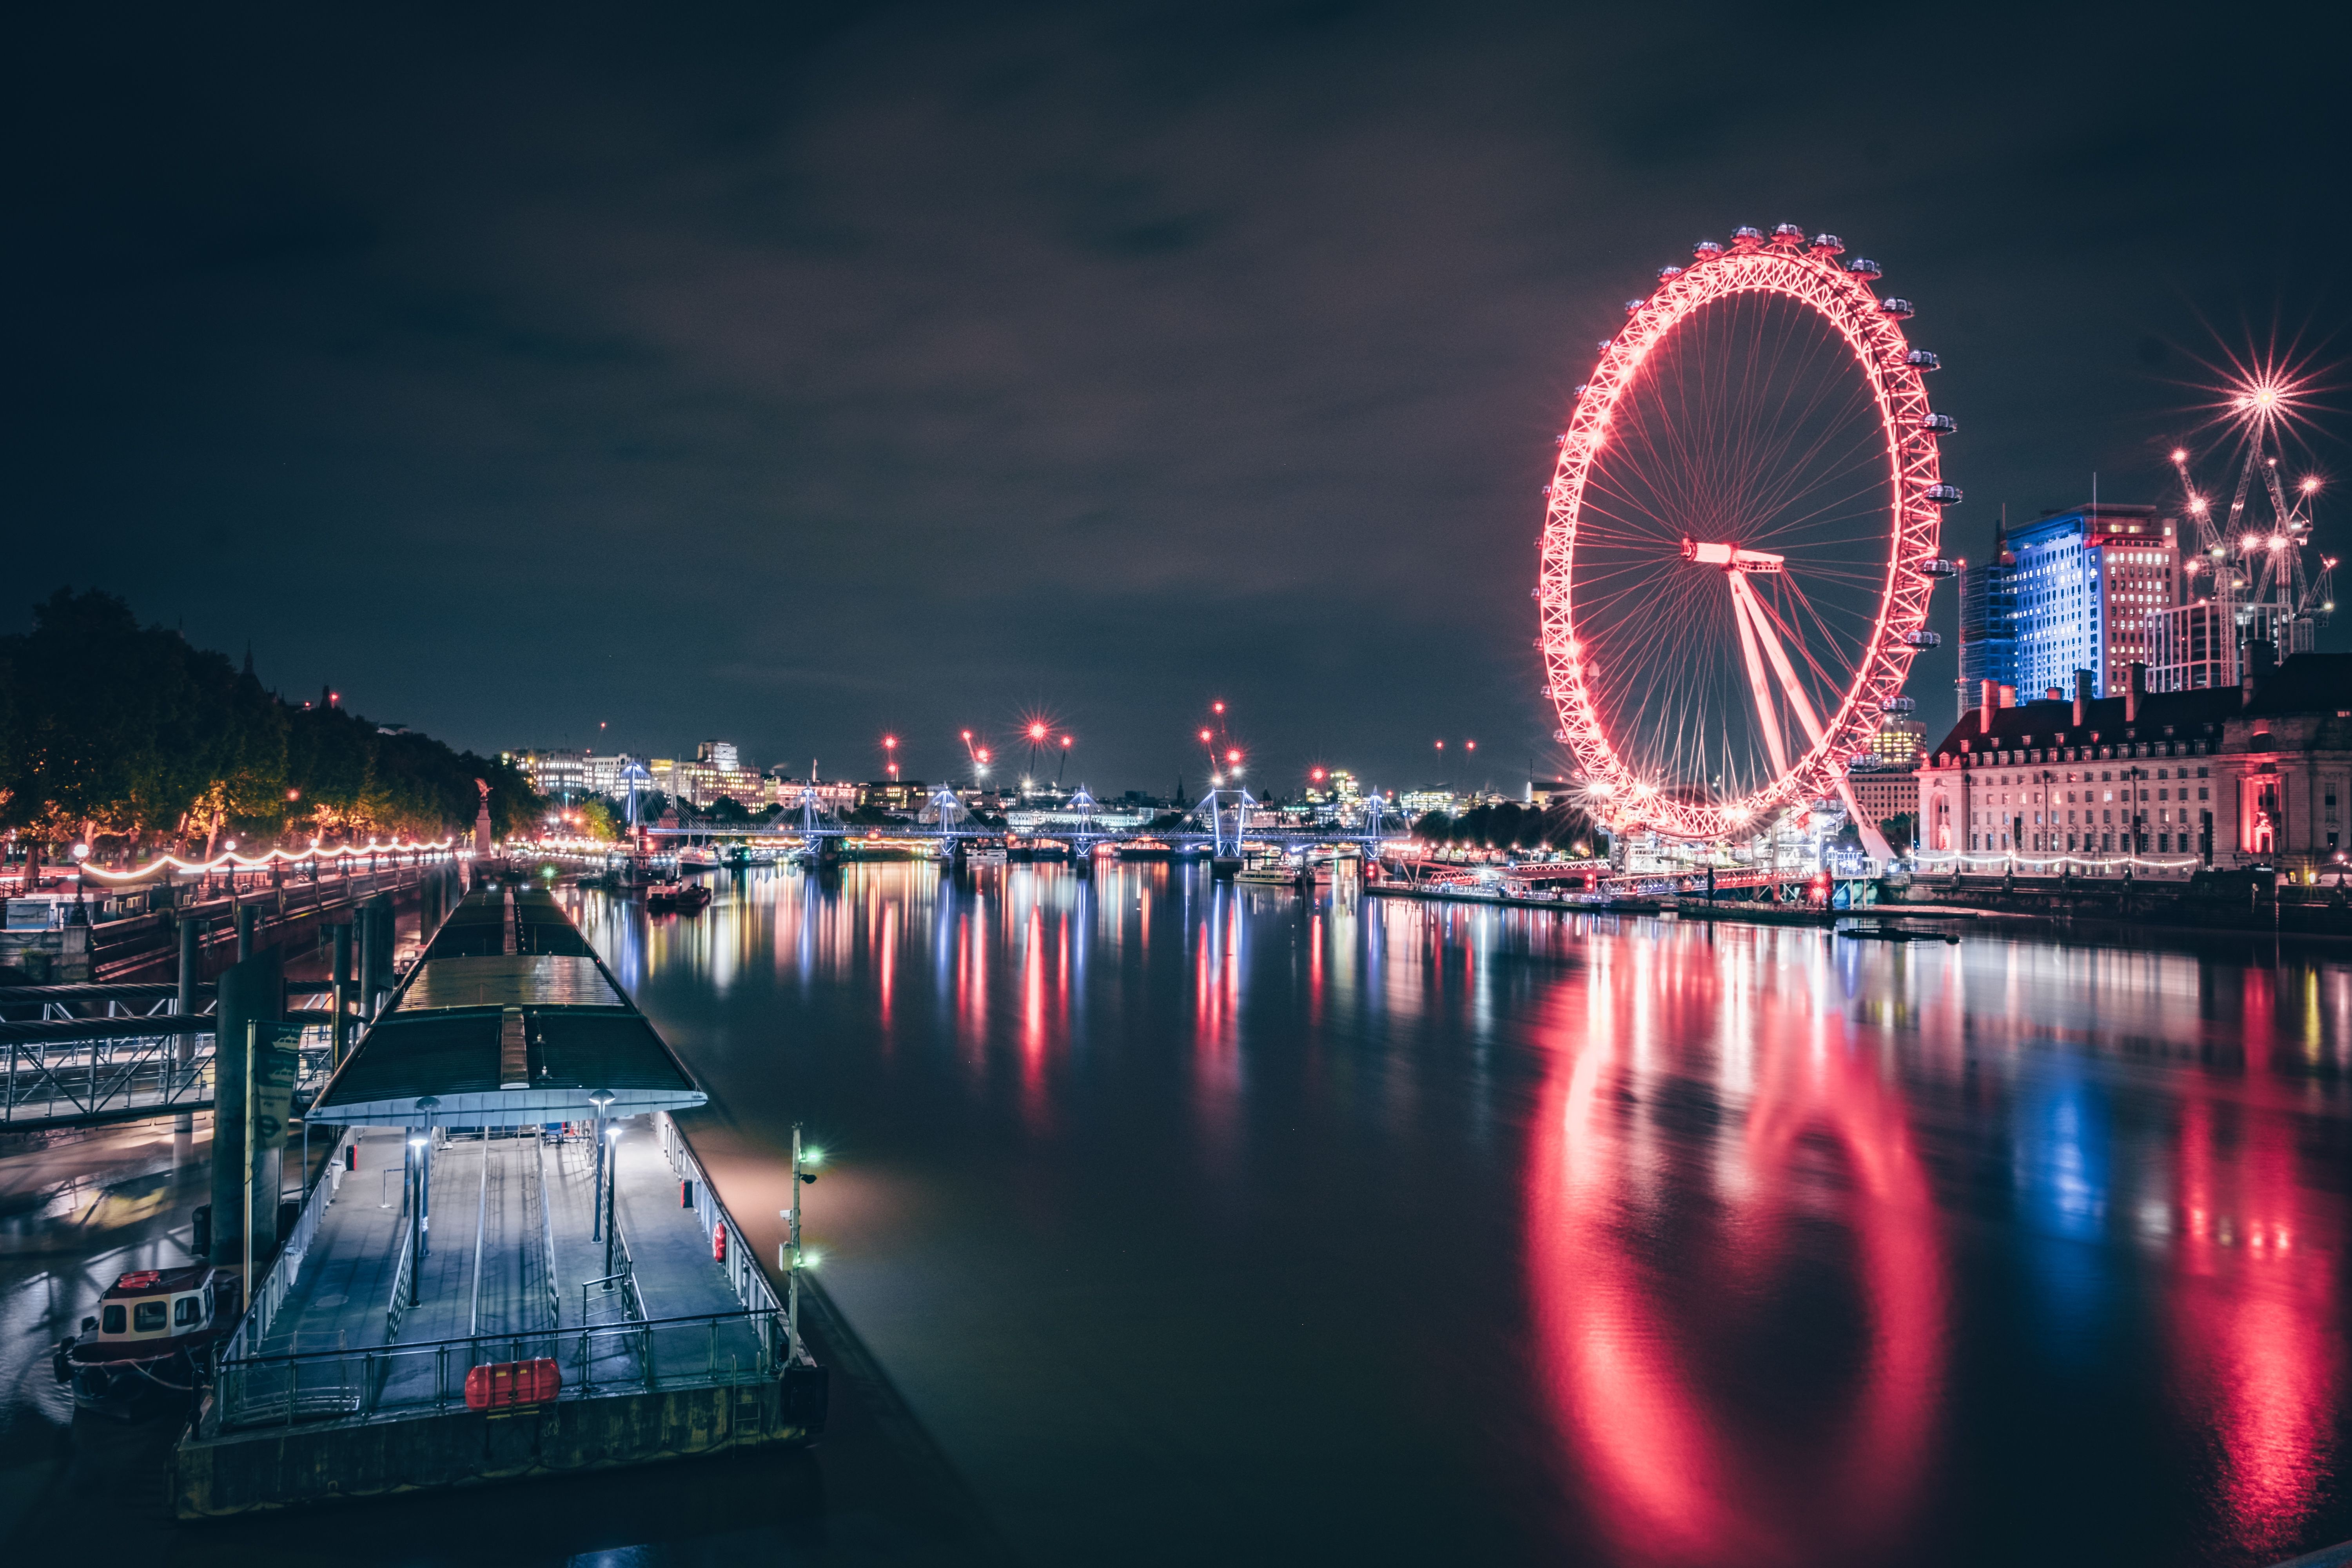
(1988, 695)
(2082, 698)
(2258, 659)
(2009, 696)
(2136, 687)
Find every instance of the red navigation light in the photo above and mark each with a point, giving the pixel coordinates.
(1216, 707)
(983, 754)
(1065, 742)
(1316, 775)
(1233, 756)
(1441, 745)
(1204, 734)
(1036, 731)
(889, 742)
(1470, 745)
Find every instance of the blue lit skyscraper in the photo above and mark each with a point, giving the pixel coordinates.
(2070, 591)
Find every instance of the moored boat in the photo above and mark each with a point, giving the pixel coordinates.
(140, 1355)
(1267, 866)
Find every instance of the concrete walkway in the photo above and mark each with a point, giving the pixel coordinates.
(490, 1192)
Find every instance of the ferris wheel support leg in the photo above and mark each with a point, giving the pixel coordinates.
(1874, 842)
(1758, 687)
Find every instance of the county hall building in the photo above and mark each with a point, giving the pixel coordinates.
(2160, 782)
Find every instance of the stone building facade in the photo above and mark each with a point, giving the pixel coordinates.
(2258, 773)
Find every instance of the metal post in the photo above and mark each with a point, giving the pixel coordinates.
(792, 1240)
(341, 1034)
(192, 963)
(602, 1099)
(428, 1105)
(245, 1281)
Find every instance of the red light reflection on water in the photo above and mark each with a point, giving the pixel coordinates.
(2256, 1340)
(1671, 1467)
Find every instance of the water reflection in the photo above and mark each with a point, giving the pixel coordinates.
(1810, 1161)
(1806, 1250)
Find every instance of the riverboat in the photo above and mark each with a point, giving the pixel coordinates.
(1267, 867)
(985, 852)
(138, 1357)
(677, 898)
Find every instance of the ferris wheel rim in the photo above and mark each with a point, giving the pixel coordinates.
(1811, 277)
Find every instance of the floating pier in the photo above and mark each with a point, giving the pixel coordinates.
(514, 1266)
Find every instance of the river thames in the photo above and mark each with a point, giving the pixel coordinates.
(1202, 1223)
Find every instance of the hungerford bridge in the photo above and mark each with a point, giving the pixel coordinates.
(1219, 822)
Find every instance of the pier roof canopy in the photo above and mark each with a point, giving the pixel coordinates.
(506, 1038)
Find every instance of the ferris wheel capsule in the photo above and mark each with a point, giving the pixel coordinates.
(1900, 309)
(1746, 238)
(1828, 245)
(1633, 307)
(1668, 274)
(1787, 234)
(1923, 638)
(1707, 249)
(1921, 360)
(1942, 495)
(1899, 705)
(1940, 424)
(1863, 267)
(1936, 566)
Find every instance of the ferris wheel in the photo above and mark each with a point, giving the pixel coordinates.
(1741, 540)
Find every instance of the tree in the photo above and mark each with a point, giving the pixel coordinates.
(597, 820)
(109, 727)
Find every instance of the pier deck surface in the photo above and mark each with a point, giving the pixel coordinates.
(492, 1189)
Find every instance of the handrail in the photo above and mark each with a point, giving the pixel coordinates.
(423, 1347)
(547, 1238)
(398, 1309)
(482, 1225)
(362, 1385)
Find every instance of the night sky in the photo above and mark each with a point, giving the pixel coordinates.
(794, 375)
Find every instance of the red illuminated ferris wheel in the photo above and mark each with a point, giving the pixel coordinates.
(1741, 539)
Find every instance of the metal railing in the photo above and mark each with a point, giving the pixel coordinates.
(390, 1383)
(77, 1080)
(547, 1240)
(296, 1245)
(744, 1273)
(395, 1311)
(633, 1303)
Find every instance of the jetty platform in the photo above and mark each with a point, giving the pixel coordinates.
(513, 1265)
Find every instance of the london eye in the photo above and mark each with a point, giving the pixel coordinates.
(1741, 539)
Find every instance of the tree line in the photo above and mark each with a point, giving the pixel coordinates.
(127, 738)
(1504, 825)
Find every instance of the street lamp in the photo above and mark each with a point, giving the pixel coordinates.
(602, 1099)
(792, 1260)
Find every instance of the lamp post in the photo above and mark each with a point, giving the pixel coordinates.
(791, 1261)
(601, 1100)
(428, 1105)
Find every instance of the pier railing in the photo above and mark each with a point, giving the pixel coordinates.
(292, 1248)
(395, 1382)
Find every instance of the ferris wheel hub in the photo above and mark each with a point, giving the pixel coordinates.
(1730, 557)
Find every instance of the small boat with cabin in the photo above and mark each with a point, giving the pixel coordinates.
(138, 1357)
(1264, 865)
